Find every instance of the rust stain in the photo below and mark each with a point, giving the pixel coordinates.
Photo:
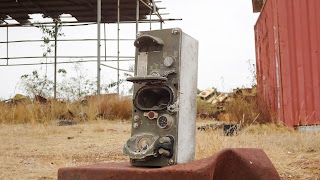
(227, 164)
(287, 36)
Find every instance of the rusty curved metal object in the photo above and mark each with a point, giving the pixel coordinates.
(228, 164)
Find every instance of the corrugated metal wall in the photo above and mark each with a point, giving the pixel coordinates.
(288, 59)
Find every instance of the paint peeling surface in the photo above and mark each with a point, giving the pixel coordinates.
(287, 36)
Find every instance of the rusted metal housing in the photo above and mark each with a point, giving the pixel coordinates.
(287, 36)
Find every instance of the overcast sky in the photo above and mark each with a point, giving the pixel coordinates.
(224, 29)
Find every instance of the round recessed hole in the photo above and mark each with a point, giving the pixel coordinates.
(165, 121)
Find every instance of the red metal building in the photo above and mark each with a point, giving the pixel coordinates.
(287, 36)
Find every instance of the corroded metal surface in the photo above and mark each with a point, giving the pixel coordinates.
(287, 36)
(227, 164)
(83, 11)
(164, 98)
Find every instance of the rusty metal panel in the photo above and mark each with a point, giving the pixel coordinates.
(288, 68)
(227, 164)
(266, 57)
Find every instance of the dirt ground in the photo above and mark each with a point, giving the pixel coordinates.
(37, 151)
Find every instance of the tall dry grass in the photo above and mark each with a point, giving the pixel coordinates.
(116, 108)
(244, 108)
(247, 111)
(204, 108)
(90, 109)
(35, 112)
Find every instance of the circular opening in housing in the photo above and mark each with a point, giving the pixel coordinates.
(153, 98)
(163, 122)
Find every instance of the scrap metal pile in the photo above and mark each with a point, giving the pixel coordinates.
(217, 102)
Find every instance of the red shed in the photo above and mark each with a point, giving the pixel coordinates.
(287, 36)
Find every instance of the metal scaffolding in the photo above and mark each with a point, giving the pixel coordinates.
(153, 11)
(98, 45)
(55, 59)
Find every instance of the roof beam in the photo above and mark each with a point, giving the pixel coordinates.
(45, 13)
(19, 10)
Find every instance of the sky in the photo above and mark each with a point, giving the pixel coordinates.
(224, 29)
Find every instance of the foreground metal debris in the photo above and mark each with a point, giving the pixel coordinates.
(228, 164)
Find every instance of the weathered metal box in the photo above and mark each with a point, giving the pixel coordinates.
(164, 99)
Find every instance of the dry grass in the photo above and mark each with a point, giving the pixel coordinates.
(116, 108)
(246, 111)
(37, 151)
(239, 110)
(296, 155)
(44, 113)
(31, 112)
(205, 108)
(244, 106)
(33, 147)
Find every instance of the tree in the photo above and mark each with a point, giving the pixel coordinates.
(34, 84)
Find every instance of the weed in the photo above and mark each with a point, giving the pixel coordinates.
(116, 108)
(204, 108)
(246, 110)
(91, 109)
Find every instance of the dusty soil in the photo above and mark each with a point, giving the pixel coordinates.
(37, 151)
